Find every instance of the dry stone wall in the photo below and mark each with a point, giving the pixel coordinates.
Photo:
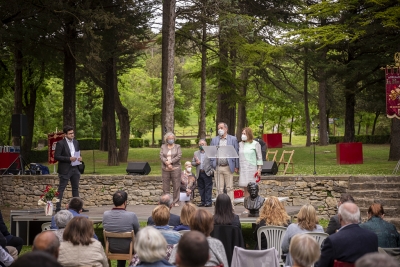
(24, 191)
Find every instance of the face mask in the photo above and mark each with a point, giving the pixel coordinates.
(244, 137)
(221, 132)
(189, 169)
(201, 147)
(171, 141)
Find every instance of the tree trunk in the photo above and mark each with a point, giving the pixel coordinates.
(291, 129)
(104, 131)
(323, 138)
(394, 153)
(124, 126)
(168, 68)
(349, 131)
(16, 140)
(242, 117)
(306, 108)
(377, 113)
(109, 95)
(203, 90)
(153, 140)
(359, 125)
(69, 99)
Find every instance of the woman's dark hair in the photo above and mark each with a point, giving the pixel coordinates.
(223, 213)
(79, 231)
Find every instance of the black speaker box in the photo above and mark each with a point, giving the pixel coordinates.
(269, 168)
(138, 168)
(19, 125)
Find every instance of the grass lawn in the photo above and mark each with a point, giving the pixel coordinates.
(375, 161)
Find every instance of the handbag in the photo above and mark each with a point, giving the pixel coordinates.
(81, 167)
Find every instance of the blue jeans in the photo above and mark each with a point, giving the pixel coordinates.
(205, 183)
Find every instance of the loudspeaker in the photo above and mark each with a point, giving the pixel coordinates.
(269, 168)
(138, 168)
(19, 125)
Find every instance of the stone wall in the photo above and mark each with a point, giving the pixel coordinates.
(24, 191)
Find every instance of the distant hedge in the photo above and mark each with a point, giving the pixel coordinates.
(94, 143)
(365, 139)
(37, 156)
(181, 142)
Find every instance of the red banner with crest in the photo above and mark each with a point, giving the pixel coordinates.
(393, 93)
(52, 140)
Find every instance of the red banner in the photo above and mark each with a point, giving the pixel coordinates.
(52, 140)
(393, 92)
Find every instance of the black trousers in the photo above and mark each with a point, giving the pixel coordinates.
(74, 176)
(204, 184)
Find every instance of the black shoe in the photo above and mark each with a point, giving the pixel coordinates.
(84, 210)
(201, 205)
(208, 205)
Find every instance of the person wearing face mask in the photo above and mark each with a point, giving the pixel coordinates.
(225, 166)
(204, 173)
(250, 160)
(188, 180)
(170, 155)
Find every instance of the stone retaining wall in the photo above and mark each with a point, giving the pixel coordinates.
(24, 191)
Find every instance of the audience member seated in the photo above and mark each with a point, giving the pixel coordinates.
(35, 259)
(5, 258)
(166, 200)
(272, 213)
(79, 248)
(377, 260)
(10, 250)
(61, 219)
(12, 241)
(187, 213)
(388, 237)
(304, 250)
(203, 222)
(334, 224)
(307, 222)
(188, 180)
(223, 213)
(160, 216)
(48, 242)
(351, 242)
(119, 220)
(151, 247)
(193, 250)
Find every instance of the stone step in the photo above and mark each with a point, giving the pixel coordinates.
(383, 179)
(374, 193)
(389, 212)
(386, 202)
(375, 186)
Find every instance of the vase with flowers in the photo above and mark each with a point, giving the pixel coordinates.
(48, 198)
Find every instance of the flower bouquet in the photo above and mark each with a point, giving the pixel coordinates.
(48, 198)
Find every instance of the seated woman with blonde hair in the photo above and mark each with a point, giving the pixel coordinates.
(307, 222)
(79, 248)
(305, 250)
(271, 213)
(388, 237)
(187, 213)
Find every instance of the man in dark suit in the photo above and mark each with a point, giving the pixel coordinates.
(351, 242)
(204, 172)
(334, 223)
(65, 154)
(166, 200)
(225, 166)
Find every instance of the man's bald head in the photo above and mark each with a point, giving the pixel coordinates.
(47, 241)
(349, 213)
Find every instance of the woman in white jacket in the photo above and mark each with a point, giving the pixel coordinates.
(79, 247)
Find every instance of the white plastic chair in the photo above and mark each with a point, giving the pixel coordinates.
(320, 237)
(274, 236)
(260, 258)
(46, 226)
(182, 232)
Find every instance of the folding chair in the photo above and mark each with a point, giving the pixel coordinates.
(274, 236)
(272, 153)
(287, 162)
(118, 256)
(46, 226)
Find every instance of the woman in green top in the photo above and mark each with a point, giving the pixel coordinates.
(250, 159)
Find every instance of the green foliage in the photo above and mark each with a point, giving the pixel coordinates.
(181, 142)
(89, 143)
(136, 142)
(365, 139)
(37, 156)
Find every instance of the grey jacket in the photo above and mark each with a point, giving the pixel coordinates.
(206, 164)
